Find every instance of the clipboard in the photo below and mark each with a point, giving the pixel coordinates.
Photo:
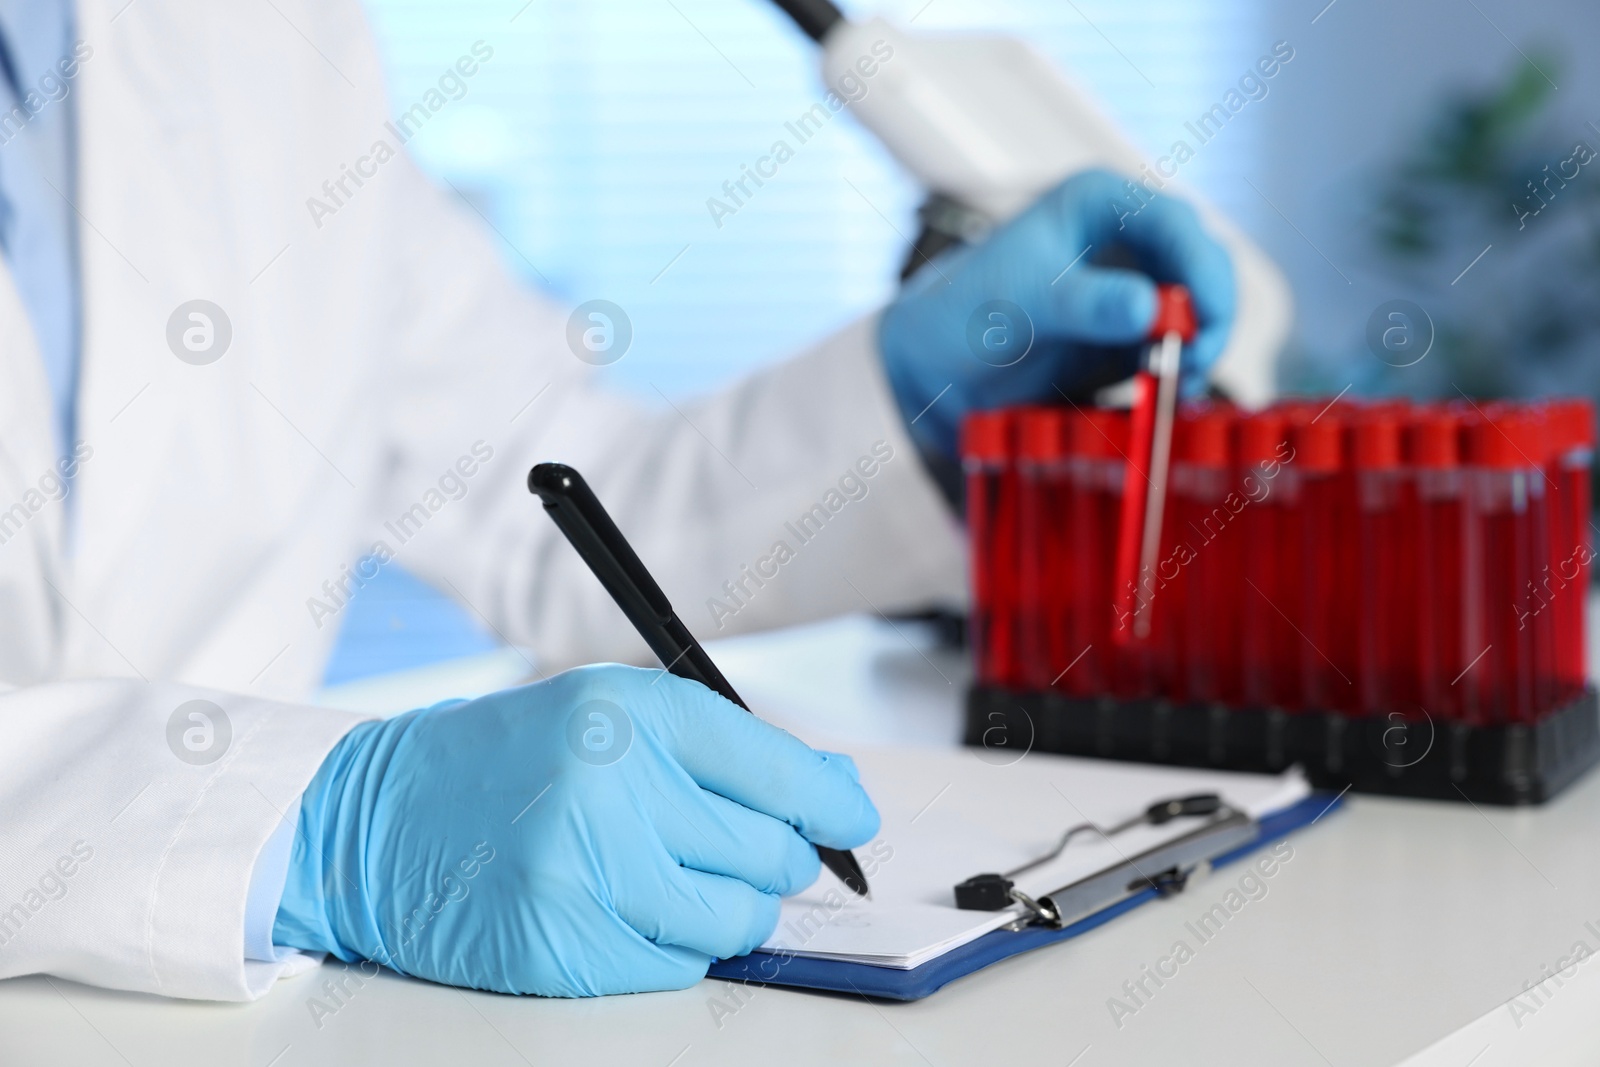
(1081, 907)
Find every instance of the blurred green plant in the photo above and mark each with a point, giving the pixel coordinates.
(1469, 147)
(1500, 168)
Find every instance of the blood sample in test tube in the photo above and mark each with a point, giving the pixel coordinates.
(1168, 580)
(1270, 579)
(1540, 598)
(1559, 554)
(987, 452)
(1097, 439)
(1571, 549)
(1044, 561)
(1576, 470)
(1328, 562)
(1386, 591)
(1448, 615)
(1472, 685)
(1149, 454)
(1206, 568)
(1503, 671)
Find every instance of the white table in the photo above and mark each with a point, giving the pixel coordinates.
(1397, 926)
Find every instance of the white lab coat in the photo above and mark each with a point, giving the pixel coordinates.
(368, 356)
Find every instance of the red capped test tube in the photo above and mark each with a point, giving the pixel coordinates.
(1203, 556)
(1328, 557)
(991, 504)
(1539, 599)
(1149, 453)
(1571, 550)
(1044, 509)
(1500, 445)
(1386, 587)
(1271, 572)
(1097, 440)
(1449, 616)
(1165, 589)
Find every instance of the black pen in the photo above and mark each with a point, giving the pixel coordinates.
(579, 514)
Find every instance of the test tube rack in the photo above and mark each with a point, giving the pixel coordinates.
(1508, 764)
(1389, 595)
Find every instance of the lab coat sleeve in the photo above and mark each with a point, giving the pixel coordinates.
(127, 849)
(267, 880)
(793, 495)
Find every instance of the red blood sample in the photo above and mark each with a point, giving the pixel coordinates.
(1386, 586)
(1167, 587)
(1328, 559)
(1097, 441)
(1498, 445)
(1571, 551)
(1269, 585)
(1149, 455)
(987, 458)
(1539, 597)
(1044, 551)
(1448, 618)
(1204, 558)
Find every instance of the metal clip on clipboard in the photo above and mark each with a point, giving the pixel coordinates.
(1165, 868)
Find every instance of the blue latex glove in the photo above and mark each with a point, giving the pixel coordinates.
(609, 830)
(951, 326)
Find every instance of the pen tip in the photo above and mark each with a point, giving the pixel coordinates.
(844, 865)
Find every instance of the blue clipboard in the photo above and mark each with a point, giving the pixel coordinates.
(766, 968)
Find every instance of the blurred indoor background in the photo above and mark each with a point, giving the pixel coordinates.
(1391, 158)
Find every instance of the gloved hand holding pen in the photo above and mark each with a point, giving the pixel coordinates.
(609, 830)
(1035, 307)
